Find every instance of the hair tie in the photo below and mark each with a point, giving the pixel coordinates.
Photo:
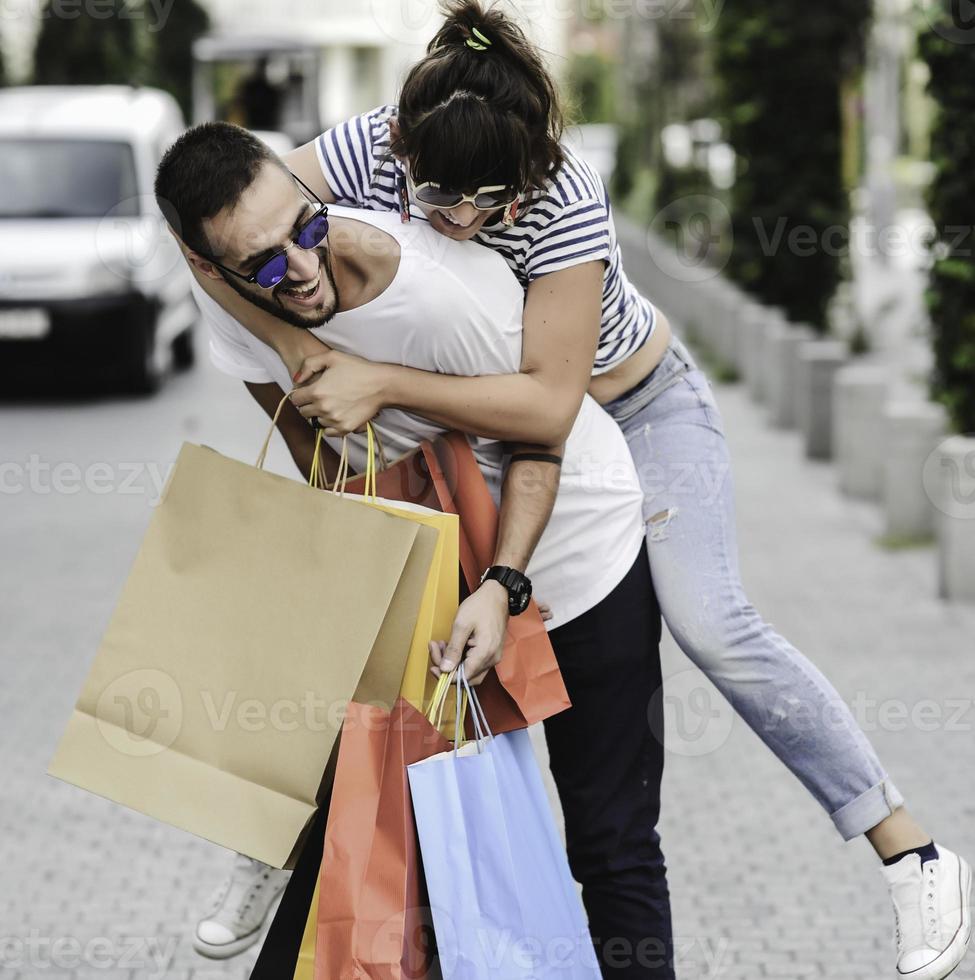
(477, 40)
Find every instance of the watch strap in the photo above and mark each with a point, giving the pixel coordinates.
(517, 584)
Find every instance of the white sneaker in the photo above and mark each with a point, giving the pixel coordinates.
(239, 908)
(933, 912)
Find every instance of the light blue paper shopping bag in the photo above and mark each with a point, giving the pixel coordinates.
(504, 902)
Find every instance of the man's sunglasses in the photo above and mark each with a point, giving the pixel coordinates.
(484, 198)
(310, 235)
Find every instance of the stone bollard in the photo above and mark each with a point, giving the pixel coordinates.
(751, 319)
(859, 395)
(755, 369)
(819, 360)
(695, 309)
(730, 341)
(666, 293)
(782, 345)
(951, 474)
(717, 312)
(751, 359)
(749, 347)
(913, 431)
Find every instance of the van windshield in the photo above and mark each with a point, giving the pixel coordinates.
(53, 178)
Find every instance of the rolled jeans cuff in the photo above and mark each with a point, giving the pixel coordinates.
(867, 810)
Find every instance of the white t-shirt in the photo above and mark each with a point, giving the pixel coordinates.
(455, 308)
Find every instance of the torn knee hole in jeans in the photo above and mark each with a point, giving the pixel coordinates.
(659, 522)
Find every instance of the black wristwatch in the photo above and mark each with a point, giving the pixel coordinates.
(519, 587)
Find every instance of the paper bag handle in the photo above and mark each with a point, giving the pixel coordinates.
(317, 476)
(374, 449)
(262, 455)
(482, 729)
(466, 697)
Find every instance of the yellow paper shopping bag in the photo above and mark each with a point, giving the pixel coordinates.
(305, 970)
(441, 594)
(438, 606)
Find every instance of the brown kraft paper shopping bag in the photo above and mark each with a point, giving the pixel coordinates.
(251, 611)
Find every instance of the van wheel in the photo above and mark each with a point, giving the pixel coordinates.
(184, 352)
(147, 363)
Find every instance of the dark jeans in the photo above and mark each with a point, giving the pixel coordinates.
(607, 758)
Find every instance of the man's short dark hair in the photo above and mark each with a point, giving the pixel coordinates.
(206, 170)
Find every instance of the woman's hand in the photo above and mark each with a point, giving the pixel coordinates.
(346, 395)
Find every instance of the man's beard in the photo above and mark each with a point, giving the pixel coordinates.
(267, 299)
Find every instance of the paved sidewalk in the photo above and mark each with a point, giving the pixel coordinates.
(759, 876)
(762, 885)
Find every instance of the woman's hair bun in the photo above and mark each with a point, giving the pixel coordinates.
(462, 18)
(481, 100)
(470, 21)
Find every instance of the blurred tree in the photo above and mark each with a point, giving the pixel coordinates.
(171, 58)
(94, 45)
(783, 70)
(592, 82)
(951, 292)
(664, 77)
(635, 114)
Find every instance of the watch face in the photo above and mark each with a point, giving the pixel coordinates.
(518, 602)
(519, 587)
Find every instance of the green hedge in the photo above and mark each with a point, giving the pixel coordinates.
(673, 86)
(781, 70)
(951, 293)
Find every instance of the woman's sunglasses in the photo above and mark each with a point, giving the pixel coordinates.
(273, 269)
(484, 198)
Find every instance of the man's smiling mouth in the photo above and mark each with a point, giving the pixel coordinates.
(303, 294)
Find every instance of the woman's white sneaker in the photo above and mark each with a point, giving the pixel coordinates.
(239, 909)
(933, 913)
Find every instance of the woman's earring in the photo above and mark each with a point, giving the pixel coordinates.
(403, 193)
(511, 214)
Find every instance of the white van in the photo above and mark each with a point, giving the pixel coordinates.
(89, 275)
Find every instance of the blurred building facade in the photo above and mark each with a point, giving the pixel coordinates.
(365, 46)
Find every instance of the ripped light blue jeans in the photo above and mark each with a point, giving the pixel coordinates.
(674, 430)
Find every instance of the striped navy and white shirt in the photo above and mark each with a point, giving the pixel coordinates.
(566, 223)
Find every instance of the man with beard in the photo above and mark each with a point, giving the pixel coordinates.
(368, 285)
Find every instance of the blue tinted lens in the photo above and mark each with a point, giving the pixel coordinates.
(313, 234)
(273, 271)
